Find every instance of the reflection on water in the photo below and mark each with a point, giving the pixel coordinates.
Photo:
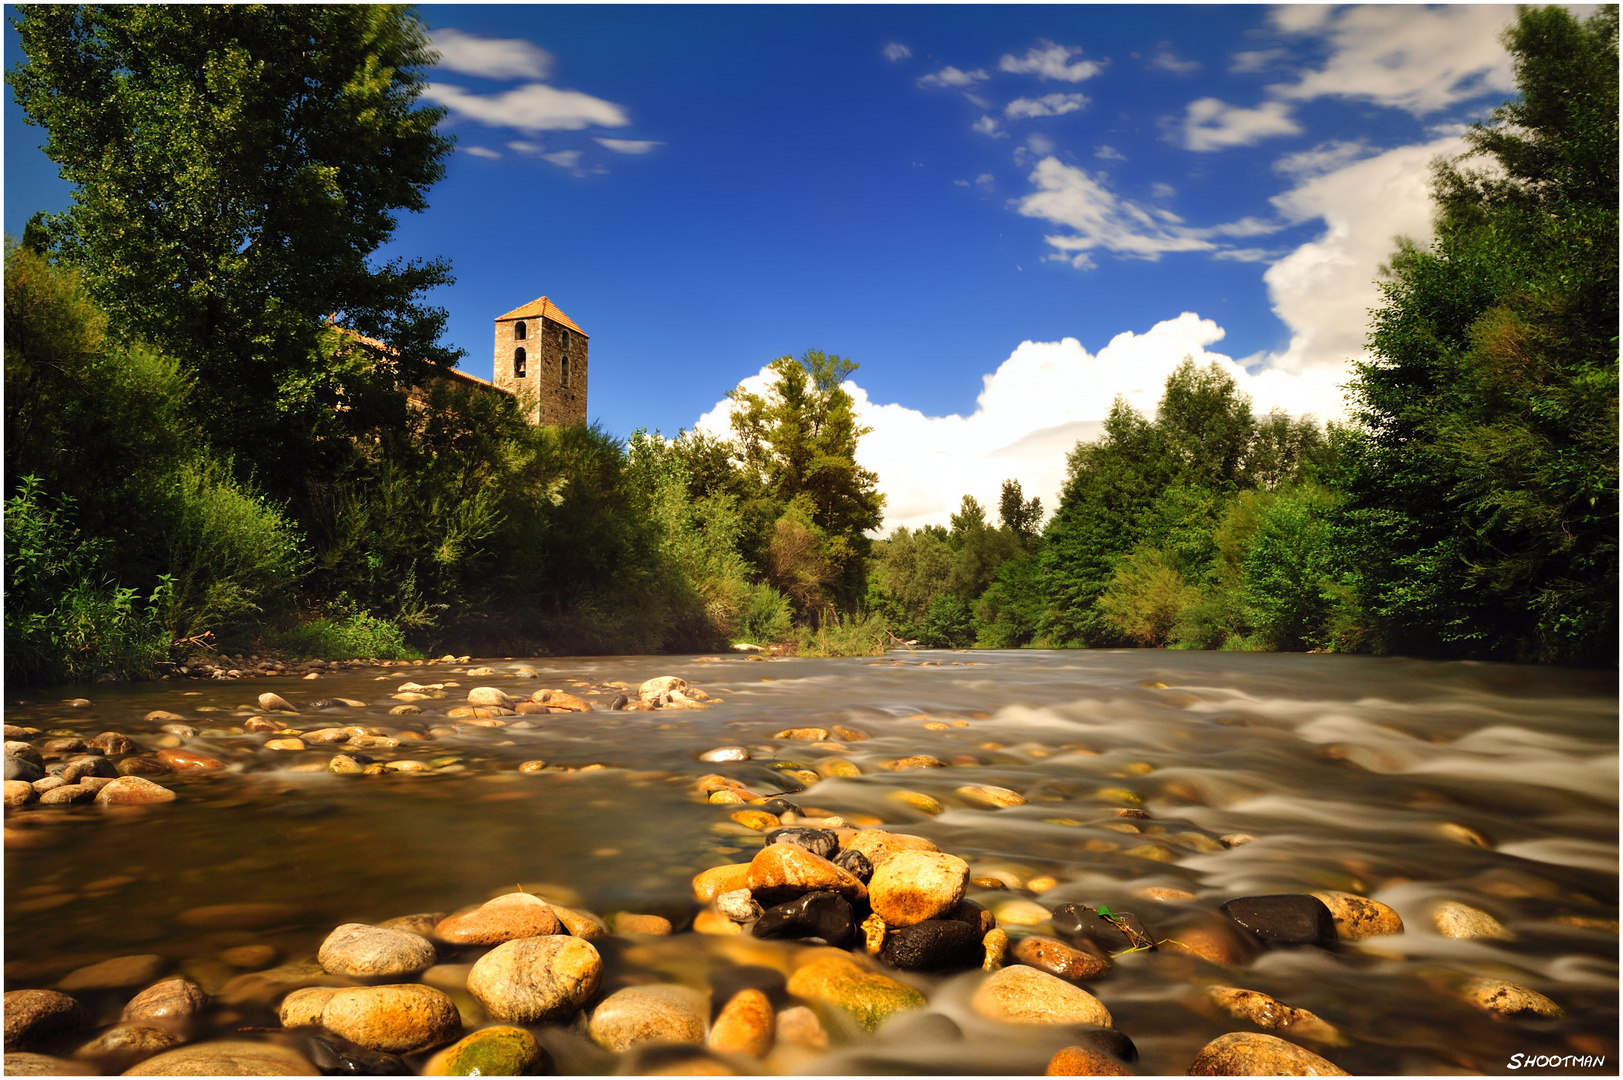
(1375, 776)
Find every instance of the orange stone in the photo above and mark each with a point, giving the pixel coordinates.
(781, 872)
(1085, 1061)
(187, 760)
(513, 915)
(744, 1025)
(709, 884)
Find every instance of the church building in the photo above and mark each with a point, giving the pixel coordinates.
(541, 360)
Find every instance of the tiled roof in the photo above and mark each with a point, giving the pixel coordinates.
(542, 308)
(454, 374)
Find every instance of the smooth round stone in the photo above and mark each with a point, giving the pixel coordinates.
(995, 797)
(172, 999)
(1057, 958)
(492, 1051)
(879, 845)
(1284, 919)
(1465, 923)
(27, 751)
(1244, 1053)
(533, 979)
(759, 820)
(337, 1057)
(248, 916)
(275, 703)
(744, 1025)
(138, 766)
(19, 769)
(114, 974)
(662, 684)
(740, 906)
(866, 996)
(250, 957)
(912, 886)
(130, 1041)
(67, 794)
(303, 1008)
(1080, 921)
(626, 922)
(640, 1014)
(405, 710)
(1462, 834)
(1218, 944)
(228, 1058)
(113, 742)
(1269, 1012)
(395, 1019)
(1508, 998)
(803, 734)
(19, 792)
(1166, 894)
(781, 872)
(1239, 839)
(507, 917)
(133, 790)
(371, 952)
(1358, 917)
(285, 744)
(725, 753)
(823, 915)
(1084, 1061)
(914, 761)
(1024, 995)
(934, 945)
(582, 924)
(159, 716)
(919, 801)
(856, 864)
(708, 884)
(26, 1064)
(490, 695)
(1020, 913)
(781, 807)
(823, 843)
(33, 1016)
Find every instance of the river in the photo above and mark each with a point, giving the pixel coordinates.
(1377, 776)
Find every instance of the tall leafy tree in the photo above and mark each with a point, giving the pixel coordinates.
(1485, 489)
(235, 169)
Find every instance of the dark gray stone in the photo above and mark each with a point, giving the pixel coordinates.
(823, 842)
(18, 769)
(934, 945)
(1284, 919)
(1079, 922)
(826, 916)
(856, 864)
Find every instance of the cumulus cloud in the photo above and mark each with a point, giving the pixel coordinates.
(987, 126)
(1047, 105)
(534, 107)
(1047, 60)
(482, 152)
(629, 146)
(951, 76)
(1031, 411)
(1108, 153)
(1323, 158)
(1420, 59)
(897, 51)
(1210, 124)
(490, 58)
(1167, 60)
(1254, 60)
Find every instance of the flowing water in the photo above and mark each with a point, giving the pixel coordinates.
(1353, 773)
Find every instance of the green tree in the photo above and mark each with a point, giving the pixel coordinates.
(1022, 517)
(1484, 492)
(235, 168)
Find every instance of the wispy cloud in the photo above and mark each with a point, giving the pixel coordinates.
(1046, 60)
(1047, 105)
(1108, 153)
(628, 146)
(482, 152)
(1254, 60)
(1323, 158)
(951, 76)
(987, 126)
(897, 51)
(1210, 124)
(490, 58)
(1167, 60)
(535, 107)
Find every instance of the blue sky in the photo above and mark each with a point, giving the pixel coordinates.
(1006, 215)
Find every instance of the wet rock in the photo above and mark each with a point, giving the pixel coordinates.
(640, 1014)
(170, 1000)
(913, 761)
(285, 744)
(27, 751)
(745, 1025)
(1119, 933)
(826, 916)
(1465, 923)
(115, 974)
(228, 1058)
(878, 845)
(133, 789)
(67, 794)
(140, 766)
(758, 820)
(339, 1057)
(1284, 919)
(781, 807)
(303, 1008)
(1239, 839)
(994, 797)
(726, 753)
(581, 924)
(1244, 1053)
(934, 945)
(507, 917)
(1218, 943)
(19, 792)
(1024, 995)
(81, 767)
(535, 979)
(803, 734)
(1167, 895)
(159, 716)
(1358, 917)
(919, 801)
(820, 842)
(22, 770)
(627, 922)
(490, 695)
(26, 1064)
(995, 946)
(1462, 834)
(1269, 1012)
(371, 952)
(781, 872)
(1508, 998)
(274, 703)
(130, 1042)
(396, 1019)
(856, 864)
(1084, 1061)
(493, 1051)
(740, 906)
(1021, 913)
(34, 1016)
(247, 916)
(249, 957)
(866, 996)
(912, 886)
(112, 742)
(1057, 958)
(708, 884)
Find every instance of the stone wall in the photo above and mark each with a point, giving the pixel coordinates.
(551, 391)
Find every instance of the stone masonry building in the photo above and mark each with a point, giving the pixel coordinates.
(541, 360)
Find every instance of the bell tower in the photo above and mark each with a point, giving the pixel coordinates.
(541, 360)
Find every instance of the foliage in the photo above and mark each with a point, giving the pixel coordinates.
(1484, 490)
(347, 633)
(853, 635)
(765, 615)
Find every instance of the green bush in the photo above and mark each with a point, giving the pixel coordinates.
(855, 635)
(765, 616)
(948, 623)
(344, 636)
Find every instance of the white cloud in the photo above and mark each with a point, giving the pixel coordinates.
(1047, 60)
(951, 76)
(1323, 158)
(1167, 60)
(520, 146)
(1031, 411)
(629, 146)
(534, 107)
(1163, 191)
(1254, 60)
(1420, 59)
(986, 182)
(1047, 105)
(482, 152)
(490, 58)
(1210, 124)
(987, 126)
(564, 159)
(897, 51)
(1068, 196)
(1108, 153)
(1039, 144)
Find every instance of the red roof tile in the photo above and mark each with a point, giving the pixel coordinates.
(542, 308)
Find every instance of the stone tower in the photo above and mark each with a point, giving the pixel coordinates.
(541, 360)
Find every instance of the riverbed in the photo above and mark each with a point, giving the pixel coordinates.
(1411, 783)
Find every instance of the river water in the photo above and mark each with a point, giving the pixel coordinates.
(1353, 773)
